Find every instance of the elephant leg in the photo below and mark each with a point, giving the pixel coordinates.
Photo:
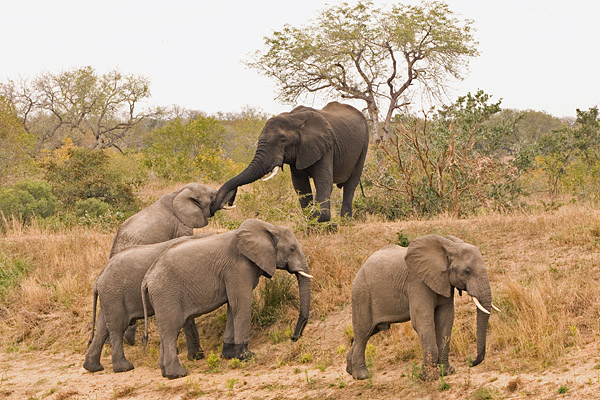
(241, 310)
(229, 336)
(120, 363)
(301, 183)
(357, 353)
(323, 188)
(444, 318)
(130, 333)
(422, 319)
(94, 351)
(169, 324)
(192, 340)
(350, 187)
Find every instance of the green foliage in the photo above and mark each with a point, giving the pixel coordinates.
(450, 161)
(274, 296)
(82, 174)
(213, 361)
(241, 134)
(402, 239)
(563, 389)
(12, 272)
(26, 199)
(186, 150)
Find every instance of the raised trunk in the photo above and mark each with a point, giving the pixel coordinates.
(304, 292)
(258, 167)
(482, 321)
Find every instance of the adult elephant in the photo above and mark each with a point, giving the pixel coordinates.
(195, 277)
(417, 283)
(328, 145)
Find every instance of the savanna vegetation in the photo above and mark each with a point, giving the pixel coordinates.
(79, 154)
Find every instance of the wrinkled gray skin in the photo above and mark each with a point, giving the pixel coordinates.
(328, 145)
(174, 215)
(196, 277)
(118, 288)
(417, 283)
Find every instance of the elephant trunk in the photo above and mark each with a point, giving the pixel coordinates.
(304, 285)
(482, 321)
(258, 167)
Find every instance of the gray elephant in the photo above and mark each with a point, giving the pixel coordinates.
(328, 145)
(397, 284)
(174, 215)
(118, 288)
(195, 277)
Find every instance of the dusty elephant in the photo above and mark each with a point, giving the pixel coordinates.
(328, 145)
(118, 289)
(198, 276)
(417, 283)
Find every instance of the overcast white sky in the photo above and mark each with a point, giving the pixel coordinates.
(541, 55)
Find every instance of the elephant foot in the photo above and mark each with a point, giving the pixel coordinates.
(242, 353)
(122, 366)
(129, 335)
(92, 366)
(361, 373)
(349, 368)
(178, 372)
(447, 370)
(228, 351)
(198, 355)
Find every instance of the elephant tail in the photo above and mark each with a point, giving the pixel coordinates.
(144, 294)
(94, 307)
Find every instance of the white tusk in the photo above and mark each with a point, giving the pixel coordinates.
(496, 308)
(304, 274)
(275, 170)
(478, 304)
(229, 207)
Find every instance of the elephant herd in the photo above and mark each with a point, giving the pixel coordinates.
(158, 267)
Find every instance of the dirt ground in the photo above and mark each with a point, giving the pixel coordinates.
(42, 375)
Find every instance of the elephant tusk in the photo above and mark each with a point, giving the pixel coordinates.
(304, 274)
(478, 304)
(496, 308)
(229, 207)
(275, 170)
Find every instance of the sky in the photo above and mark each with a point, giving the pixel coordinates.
(534, 54)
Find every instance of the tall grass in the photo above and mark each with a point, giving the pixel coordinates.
(543, 268)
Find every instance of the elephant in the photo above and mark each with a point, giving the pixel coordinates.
(196, 277)
(397, 284)
(118, 288)
(328, 145)
(174, 215)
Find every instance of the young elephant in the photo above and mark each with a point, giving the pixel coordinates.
(118, 287)
(398, 284)
(195, 277)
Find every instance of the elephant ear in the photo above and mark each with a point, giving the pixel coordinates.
(256, 241)
(187, 210)
(316, 139)
(429, 257)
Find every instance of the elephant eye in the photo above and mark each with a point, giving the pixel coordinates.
(293, 249)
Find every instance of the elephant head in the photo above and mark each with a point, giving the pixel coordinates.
(299, 138)
(273, 247)
(447, 263)
(191, 204)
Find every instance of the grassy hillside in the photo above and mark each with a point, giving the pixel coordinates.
(544, 270)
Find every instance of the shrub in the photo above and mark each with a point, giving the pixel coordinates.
(81, 174)
(12, 271)
(274, 295)
(28, 198)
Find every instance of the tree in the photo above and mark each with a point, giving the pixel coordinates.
(372, 55)
(95, 111)
(15, 143)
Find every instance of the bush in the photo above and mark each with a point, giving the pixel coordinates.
(26, 199)
(83, 174)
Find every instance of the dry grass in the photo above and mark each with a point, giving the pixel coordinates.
(544, 269)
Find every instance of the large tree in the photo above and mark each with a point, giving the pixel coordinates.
(95, 111)
(370, 54)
